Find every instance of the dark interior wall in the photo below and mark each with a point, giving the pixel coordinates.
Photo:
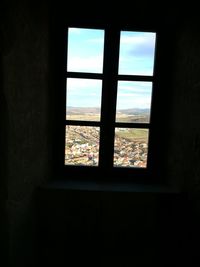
(3, 169)
(184, 132)
(183, 164)
(25, 70)
(27, 120)
(111, 228)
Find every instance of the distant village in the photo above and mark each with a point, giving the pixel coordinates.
(82, 148)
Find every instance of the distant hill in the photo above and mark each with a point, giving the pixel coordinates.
(134, 111)
(94, 110)
(82, 110)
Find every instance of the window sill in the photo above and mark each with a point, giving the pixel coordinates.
(108, 187)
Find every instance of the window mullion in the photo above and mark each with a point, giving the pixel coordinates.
(109, 92)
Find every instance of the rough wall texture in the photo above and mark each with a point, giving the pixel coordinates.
(111, 228)
(184, 139)
(25, 87)
(183, 164)
(3, 173)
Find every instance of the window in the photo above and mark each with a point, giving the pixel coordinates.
(109, 86)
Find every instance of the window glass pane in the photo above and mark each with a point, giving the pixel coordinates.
(131, 147)
(133, 101)
(83, 100)
(136, 53)
(82, 145)
(85, 50)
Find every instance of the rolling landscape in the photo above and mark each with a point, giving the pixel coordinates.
(123, 115)
(130, 144)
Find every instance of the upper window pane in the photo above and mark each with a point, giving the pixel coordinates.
(137, 53)
(85, 50)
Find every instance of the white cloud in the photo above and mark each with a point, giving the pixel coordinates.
(74, 30)
(141, 87)
(76, 84)
(134, 102)
(128, 95)
(92, 64)
(137, 39)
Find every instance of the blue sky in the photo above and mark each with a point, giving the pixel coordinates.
(84, 92)
(133, 94)
(85, 50)
(136, 53)
(85, 54)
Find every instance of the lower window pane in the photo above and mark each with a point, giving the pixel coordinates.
(82, 145)
(131, 147)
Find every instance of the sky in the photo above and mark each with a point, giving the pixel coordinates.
(85, 54)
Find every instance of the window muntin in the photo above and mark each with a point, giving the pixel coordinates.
(135, 72)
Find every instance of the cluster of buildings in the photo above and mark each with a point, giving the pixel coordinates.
(82, 148)
(130, 154)
(82, 145)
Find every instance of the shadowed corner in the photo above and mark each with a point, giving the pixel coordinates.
(4, 226)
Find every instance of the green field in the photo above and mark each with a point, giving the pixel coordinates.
(133, 134)
(132, 118)
(83, 117)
